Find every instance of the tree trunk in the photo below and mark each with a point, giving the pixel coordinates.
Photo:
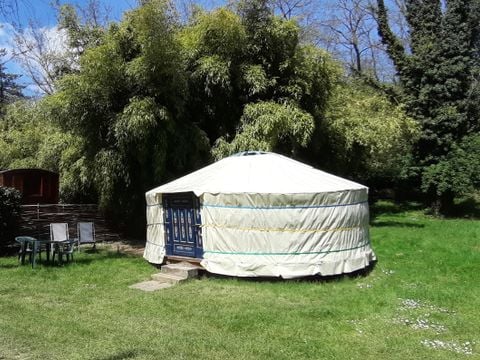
(442, 204)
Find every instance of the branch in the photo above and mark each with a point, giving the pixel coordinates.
(390, 91)
(395, 47)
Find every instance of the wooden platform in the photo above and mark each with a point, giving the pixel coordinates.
(170, 259)
(170, 275)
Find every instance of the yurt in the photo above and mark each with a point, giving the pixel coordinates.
(261, 214)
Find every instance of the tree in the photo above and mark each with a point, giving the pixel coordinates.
(47, 54)
(371, 138)
(43, 55)
(86, 32)
(24, 146)
(269, 126)
(126, 103)
(458, 172)
(9, 214)
(350, 28)
(346, 28)
(213, 47)
(439, 75)
(10, 90)
(248, 68)
(289, 9)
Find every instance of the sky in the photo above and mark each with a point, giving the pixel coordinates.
(43, 12)
(43, 15)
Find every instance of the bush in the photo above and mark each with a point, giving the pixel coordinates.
(456, 174)
(9, 213)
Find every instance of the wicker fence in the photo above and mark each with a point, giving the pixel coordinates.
(35, 220)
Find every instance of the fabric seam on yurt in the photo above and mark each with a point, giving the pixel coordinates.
(274, 207)
(286, 253)
(281, 207)
(280, 229)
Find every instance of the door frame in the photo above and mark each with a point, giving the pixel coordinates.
(183, 237)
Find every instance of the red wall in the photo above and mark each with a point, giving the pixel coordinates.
(37, 186)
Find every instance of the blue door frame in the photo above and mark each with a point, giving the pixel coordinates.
(182, 225)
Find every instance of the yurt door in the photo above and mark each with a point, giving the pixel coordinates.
(182, 225)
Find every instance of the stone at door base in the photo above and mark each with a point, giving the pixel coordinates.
(150, 285)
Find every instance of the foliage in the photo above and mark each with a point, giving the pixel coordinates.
(252, 81)
(439, 77)
(24, 146)
(9, 213)
(21, 140)
(125, 105)
(458, 172)
(81, 36)
(235, 61)
(149, 99)
(213, 46)
(269, 126)
(370, 136)
(10, 90)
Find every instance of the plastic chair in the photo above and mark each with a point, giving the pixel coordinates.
(27, 247)
(61, 244)
(65, 248)
(86, 234)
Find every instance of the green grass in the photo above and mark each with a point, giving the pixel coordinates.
(425, 289)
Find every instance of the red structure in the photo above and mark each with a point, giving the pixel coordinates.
(37, 186)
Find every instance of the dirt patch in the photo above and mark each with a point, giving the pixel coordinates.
(125, 247)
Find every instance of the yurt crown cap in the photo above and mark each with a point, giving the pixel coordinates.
(250, 152)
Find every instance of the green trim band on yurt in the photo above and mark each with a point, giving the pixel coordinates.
(261, 214)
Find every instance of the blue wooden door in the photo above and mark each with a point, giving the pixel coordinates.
(182, 225)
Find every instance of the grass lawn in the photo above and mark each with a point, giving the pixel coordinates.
(421, 301)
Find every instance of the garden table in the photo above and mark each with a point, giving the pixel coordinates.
(31, 243)
(36, 245)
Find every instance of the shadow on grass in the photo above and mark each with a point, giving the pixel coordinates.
(129, 354)
(100, 255)
(9, 250)
(93, 257)
(465, 208)
(402, 224)
(9, 266)
(383, 207)
(309, 279)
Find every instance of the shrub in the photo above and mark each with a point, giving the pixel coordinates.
(9, 213)
(456, 174)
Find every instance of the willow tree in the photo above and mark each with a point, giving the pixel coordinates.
(253, 85)
(370, 137)
(126, 102)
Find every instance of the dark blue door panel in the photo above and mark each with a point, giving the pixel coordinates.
(182, 225)
(198, 229)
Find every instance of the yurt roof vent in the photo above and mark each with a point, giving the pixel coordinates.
(250, 152)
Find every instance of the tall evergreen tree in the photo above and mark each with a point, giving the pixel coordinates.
(10, 90)
(439, 78)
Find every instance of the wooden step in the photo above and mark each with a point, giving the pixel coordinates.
(170, 259)
(184, 269)
(169, 278)
(151, 285)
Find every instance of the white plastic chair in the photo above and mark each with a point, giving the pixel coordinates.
(59, 233)
(86, 234)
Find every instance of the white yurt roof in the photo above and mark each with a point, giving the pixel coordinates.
(257, 173)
